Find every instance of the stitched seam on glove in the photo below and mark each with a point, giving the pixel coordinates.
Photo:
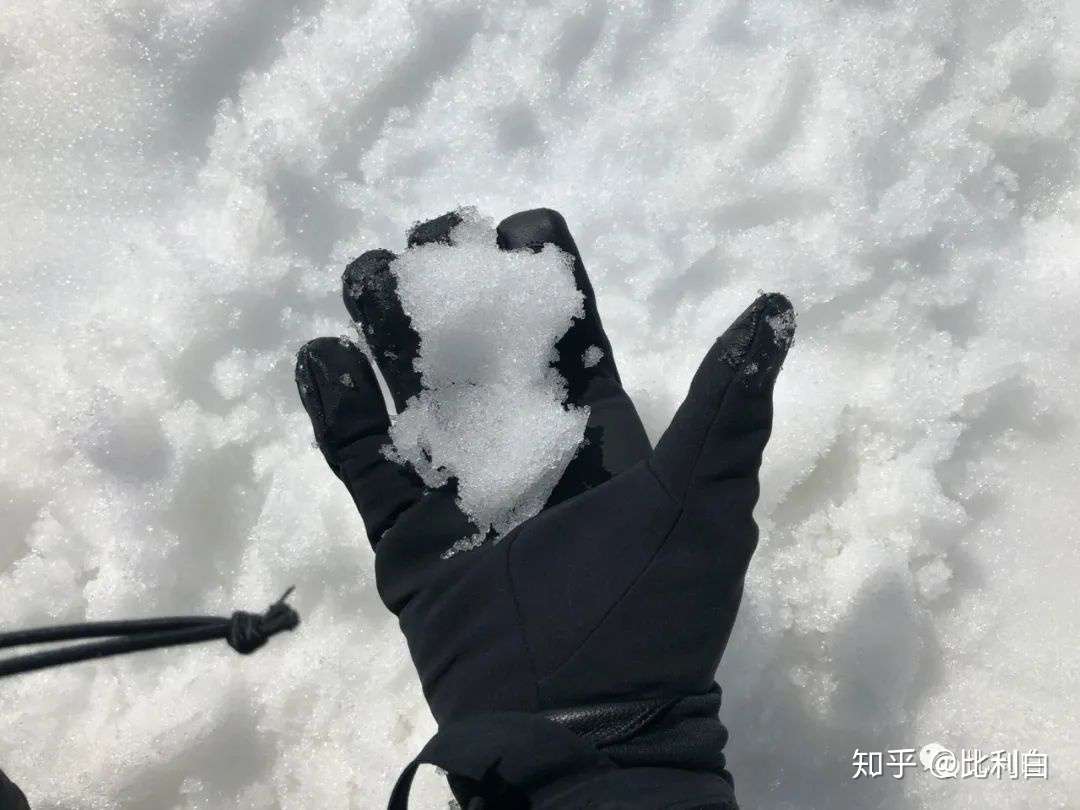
(659, 480)
(615, 603)
(679, 501)
(520, 622)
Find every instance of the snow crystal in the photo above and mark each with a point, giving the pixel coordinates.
(184, 181)
(933, 579)
(592, 356)
(491, 412)
(783, 328)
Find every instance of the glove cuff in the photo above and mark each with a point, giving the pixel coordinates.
(684, 733)
(665, 752)
(630, 788)
(668, 753)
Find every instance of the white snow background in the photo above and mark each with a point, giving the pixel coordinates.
(184, 180)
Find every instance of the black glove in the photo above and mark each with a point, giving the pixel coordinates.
(11, 798)
(570, 664)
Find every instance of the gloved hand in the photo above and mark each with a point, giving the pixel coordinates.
(571, 663)
(11, 798)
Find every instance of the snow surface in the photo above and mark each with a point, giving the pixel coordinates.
(184, 181)
(491, 413)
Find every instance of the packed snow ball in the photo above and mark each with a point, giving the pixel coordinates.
(491, 413)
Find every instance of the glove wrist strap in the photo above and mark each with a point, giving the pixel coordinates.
(681, 732)
(513, 757)
(508, 754)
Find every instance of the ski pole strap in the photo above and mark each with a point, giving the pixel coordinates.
(244, 632)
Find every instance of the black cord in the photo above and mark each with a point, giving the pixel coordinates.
(244, 632)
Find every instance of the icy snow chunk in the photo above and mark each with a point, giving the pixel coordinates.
(592, 356)
(492, 412)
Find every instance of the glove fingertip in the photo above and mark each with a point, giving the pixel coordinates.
(773, 337)
(434, 230)
(760, 336)
(336, 382)
(367, 276)
(535, 228)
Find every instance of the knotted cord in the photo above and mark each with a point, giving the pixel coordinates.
(244, 632)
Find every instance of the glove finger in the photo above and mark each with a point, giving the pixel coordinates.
(615, 437)
(341, 395)
(434, 230)
(369, 289)
(719, 432)
(533, 229)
